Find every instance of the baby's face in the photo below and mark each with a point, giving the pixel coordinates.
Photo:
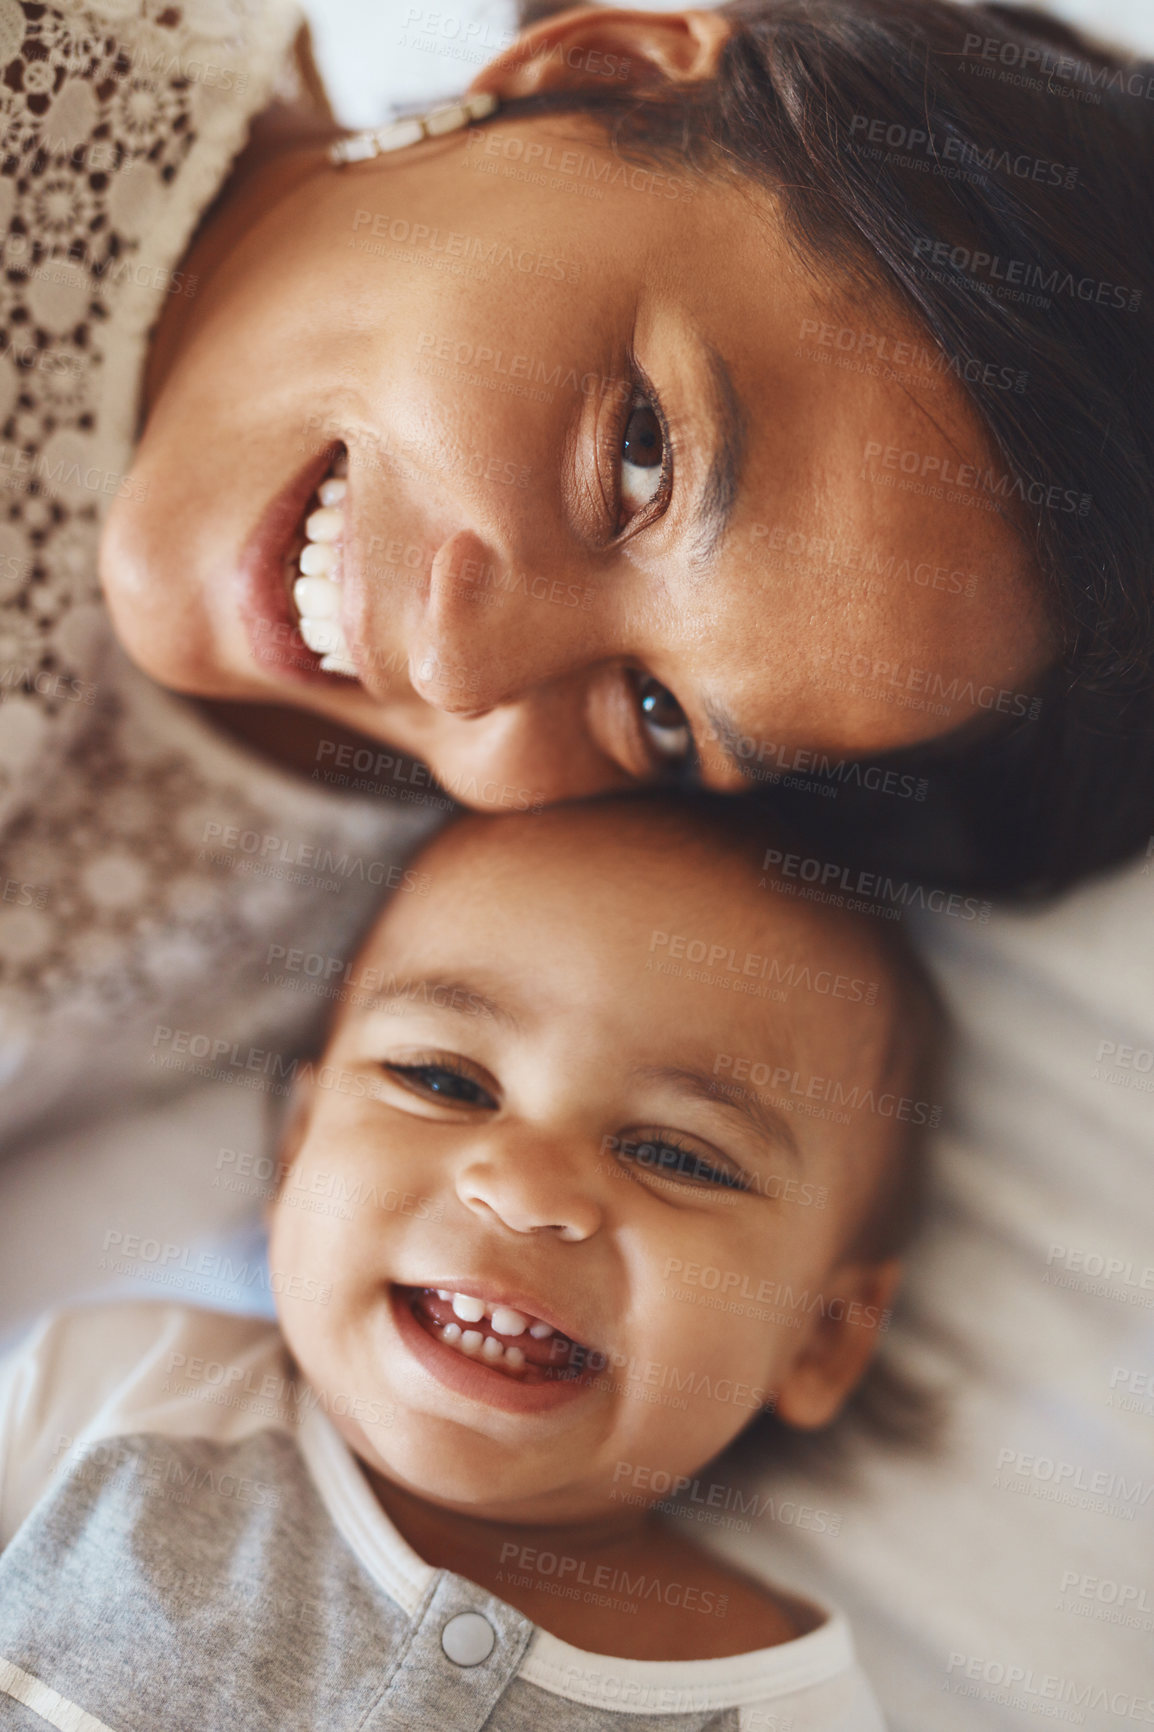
(533, 1141)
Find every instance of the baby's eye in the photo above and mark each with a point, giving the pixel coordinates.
(441, 1082)
(644, 458)
(663, 721)
(671, 1160)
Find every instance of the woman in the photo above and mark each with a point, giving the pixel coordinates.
(604, 515)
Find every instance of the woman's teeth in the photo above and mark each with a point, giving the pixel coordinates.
(495, 1341)
(316, 591)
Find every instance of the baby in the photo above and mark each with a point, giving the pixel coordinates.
(567, 1199)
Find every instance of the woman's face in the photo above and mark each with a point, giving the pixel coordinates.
(624, 480)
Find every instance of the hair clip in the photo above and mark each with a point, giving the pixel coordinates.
(399, 134)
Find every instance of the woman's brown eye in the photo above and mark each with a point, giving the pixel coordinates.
(663, 719)
(642, 458)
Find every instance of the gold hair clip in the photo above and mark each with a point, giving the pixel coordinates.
(399, 134)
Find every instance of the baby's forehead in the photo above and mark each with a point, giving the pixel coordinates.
(622, 892)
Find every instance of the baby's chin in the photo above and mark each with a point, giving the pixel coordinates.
(459, 1471)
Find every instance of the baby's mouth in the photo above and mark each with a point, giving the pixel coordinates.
(313, 572)
(514, 1342)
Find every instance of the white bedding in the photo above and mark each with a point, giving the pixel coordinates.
(1037, 1265)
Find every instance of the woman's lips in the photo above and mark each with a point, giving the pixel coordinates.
(532, 1392)
(263, 600)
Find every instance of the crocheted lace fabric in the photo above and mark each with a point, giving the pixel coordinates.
(148, 866)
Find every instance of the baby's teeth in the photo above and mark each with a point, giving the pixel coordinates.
(319, 559)
(467, 1309)
(327, 524)
(316, 598)
(451, 1332)
(323, 636)
(332, 491)
(506, 1321)
(514, 1358)
(539, 1330)
(335, 664)
(471, 1340)
(443, 1293)
(491, 1348)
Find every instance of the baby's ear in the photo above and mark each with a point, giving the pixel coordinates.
(842, 1337)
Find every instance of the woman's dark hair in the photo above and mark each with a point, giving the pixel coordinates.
(802, 88)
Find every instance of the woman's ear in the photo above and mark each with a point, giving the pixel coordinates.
(596, 47)
(842, 1339)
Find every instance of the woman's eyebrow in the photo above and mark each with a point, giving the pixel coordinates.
(723, 478)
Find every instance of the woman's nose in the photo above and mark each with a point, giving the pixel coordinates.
(490, 633)
(521, 756)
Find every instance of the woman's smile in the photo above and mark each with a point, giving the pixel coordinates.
(562, 574)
